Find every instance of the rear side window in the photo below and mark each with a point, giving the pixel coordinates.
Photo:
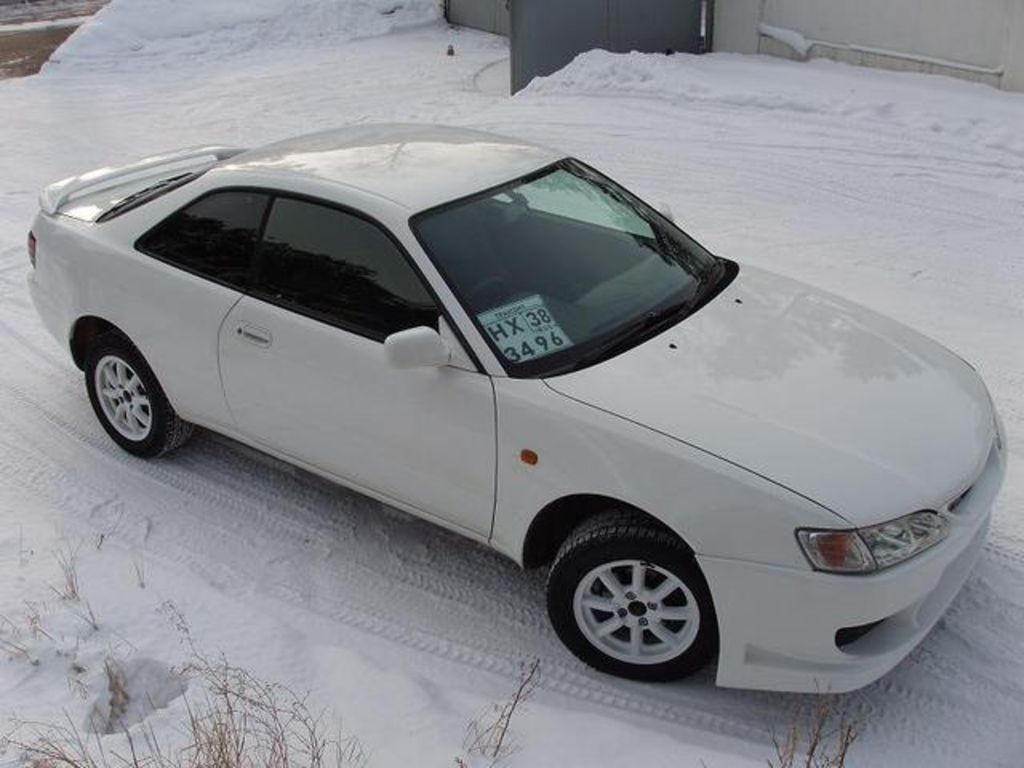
(340, 268)
(215, 236)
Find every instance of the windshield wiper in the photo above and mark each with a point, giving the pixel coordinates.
(641, 328)
(626, 336)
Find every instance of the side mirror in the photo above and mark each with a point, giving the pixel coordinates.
(666, 210)
(420, 347)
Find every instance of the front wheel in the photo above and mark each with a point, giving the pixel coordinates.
(128, 400)
(627, 597)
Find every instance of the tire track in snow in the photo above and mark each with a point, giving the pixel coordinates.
(290, 508)
(498, 658)
(289, 524)
(204, 499)
(218, 468)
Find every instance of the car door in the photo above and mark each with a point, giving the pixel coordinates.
(202, 260)
(304, 369)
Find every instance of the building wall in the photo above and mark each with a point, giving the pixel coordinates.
(977, 40)
(488, 15)
(547, 34)
(1014, 78)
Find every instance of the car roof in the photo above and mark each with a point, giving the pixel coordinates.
(414, 166)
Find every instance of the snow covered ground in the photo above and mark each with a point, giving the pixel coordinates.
(903, 192)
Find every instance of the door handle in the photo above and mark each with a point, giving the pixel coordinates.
(261, 337)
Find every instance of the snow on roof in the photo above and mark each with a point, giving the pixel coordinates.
(416, 166)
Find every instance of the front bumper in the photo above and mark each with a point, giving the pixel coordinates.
(778, 625)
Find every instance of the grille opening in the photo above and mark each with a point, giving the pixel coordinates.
(848, 635)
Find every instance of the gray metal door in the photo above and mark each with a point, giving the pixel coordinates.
(547, 35)
(488, 15)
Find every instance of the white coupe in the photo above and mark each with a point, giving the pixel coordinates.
(718, 464)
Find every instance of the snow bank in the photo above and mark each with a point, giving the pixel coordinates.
(790, 37)
(931, 104)
(162, 33)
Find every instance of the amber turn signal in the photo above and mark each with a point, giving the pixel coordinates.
(528, 457)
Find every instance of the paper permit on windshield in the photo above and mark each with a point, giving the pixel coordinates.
(524, 330)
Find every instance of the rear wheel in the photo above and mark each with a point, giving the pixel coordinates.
(128, 400)
(627, 597)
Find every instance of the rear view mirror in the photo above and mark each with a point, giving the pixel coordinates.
(420, 347)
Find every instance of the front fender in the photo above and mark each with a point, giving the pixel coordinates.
(718, 508)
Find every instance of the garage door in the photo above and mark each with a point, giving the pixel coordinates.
(547, 35)
(488, 15)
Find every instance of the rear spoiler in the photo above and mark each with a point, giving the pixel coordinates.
(57, 195)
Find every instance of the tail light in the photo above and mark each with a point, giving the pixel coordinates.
(32, 249)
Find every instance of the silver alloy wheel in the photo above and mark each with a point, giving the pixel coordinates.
(636, 612)
(123, 398)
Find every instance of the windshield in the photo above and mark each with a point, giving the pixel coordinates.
(565, 268)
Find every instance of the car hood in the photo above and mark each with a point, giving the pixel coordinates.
(833, 401)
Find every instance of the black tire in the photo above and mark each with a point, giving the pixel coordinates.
(621, 536)
(166, 430)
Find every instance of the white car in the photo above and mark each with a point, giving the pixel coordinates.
(719, 464)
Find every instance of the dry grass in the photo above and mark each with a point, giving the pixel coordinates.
(55, 746)
(16, 649)
(117, 687)
(242, 722)
(489, 737)
(249, 723)
(76, 684)
(33, 615)
(140, 571)
(86, 614)
(11, 641)
(817, 737)
(67, 559)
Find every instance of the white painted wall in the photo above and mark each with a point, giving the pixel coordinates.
(736, 25)
(1013, 80)
(976, 39)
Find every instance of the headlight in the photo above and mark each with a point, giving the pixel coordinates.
(874, 548)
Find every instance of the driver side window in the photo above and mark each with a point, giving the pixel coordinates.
(339, 268)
